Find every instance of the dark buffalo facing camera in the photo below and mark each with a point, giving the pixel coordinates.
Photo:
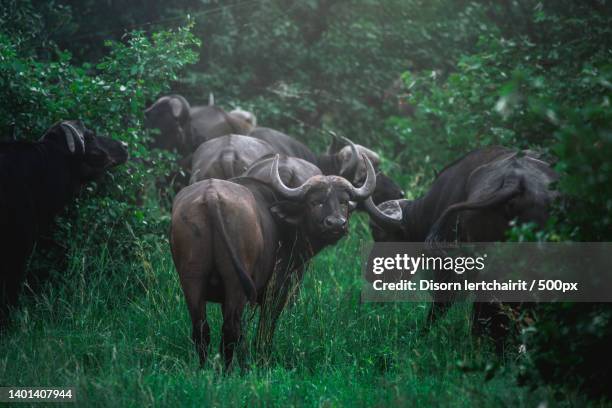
(229, 238)
(341, 158)
(37, 180)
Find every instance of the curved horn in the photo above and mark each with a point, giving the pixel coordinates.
(280, 187)
(348, 170)
(70, 141)
(382, 219)
(71, 133)
(332, 148)
(369, 184)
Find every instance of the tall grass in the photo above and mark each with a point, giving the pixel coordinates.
(120, 334)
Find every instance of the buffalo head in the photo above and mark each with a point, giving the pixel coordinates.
(91, 153)
(351, 166)
(171, 115)
(353, 169)
(386, 189)
(322, 204)
(248, 117)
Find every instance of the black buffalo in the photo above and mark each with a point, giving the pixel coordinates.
(37, 180)
(184, 127)
(229, 238)
(293, 171)
(474, 199)
(226, 157)
(284, 144)
(340, 159)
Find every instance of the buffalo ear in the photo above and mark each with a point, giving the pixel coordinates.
(176, 106)
(71, 132)
(74, 131)
(352, 205)
(335, 145)
(288, 212)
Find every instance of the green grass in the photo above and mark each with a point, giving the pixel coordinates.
(120, 334)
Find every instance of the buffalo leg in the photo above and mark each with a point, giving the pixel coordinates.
(439, 306)
(12, 276)
(200, 334)
(231, 333)
(200, 331)
(188, 243)
(278, 295)
(268, 317)
(442, 301)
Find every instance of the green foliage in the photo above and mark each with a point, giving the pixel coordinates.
(570, 345)
(120, 334)
(109, 97)
(545, 85)
(526, 73)
(306, 67)
(584, 149)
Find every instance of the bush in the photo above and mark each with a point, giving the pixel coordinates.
(109, 97)
(526, 73)
(545, 85)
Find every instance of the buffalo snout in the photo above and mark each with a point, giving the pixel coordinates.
(334, 222)
(116, 151)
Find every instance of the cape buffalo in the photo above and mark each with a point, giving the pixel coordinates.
(339, 160)
(247, 116)
(229, 238)
(474, 199)
(342, 162)
(284, 144)
(293, 171)
(37, 180)
(226, 157)
(184, 127)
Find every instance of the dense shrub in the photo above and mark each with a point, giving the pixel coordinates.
(109, 97)
(545, 85)
(525, 73)
(304, 67)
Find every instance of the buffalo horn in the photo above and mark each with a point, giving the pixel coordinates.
(349, 169)
(71, 133)
(380, 218)
(366, 190)
(280, 187)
